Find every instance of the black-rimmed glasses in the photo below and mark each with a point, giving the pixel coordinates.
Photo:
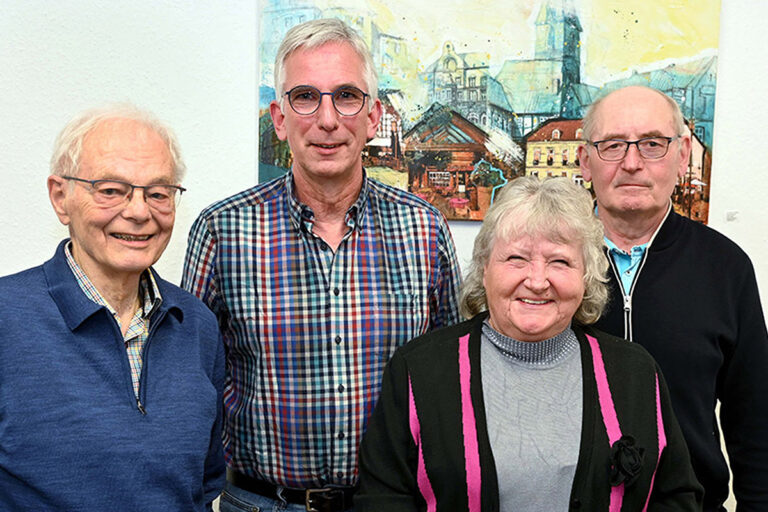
(347, 100)
(111, 193)
(650, 148)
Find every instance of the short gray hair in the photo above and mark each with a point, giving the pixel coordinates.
(590, 118)
(316, 33)
(68, 147)
(555, 208)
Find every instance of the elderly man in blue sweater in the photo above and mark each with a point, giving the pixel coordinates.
(110, 377)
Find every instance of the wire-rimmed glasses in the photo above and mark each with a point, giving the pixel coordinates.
(650, 148)
(111, 193)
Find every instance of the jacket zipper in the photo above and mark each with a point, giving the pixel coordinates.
(627, 297)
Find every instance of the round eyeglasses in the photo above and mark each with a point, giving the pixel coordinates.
(650, 148)
(347, 100)
(110, 193)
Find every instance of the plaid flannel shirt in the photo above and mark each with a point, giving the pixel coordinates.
(308, 331)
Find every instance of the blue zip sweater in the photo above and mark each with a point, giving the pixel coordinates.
(71, 434)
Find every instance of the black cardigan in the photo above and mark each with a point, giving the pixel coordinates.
(389, 456)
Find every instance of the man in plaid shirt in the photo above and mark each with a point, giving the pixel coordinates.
(316, 278)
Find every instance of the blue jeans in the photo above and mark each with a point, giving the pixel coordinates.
(235, 499)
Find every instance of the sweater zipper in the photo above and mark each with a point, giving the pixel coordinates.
(144, 352)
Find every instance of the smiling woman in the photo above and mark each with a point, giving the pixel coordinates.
(529, 375)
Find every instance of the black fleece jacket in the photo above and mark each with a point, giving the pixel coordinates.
(695, 307)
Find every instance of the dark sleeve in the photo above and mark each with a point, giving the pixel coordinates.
(214, 476)
(387, 452)
(744, 399)
(675, 486)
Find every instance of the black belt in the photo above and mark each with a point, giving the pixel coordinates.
(326, 499)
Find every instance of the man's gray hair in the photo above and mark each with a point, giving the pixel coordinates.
(316, 33)
(68, 147)
(590, 118)
(555, 208)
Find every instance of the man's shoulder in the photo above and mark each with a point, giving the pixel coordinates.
(23, 280)
(175, 296)
(250, 198)
(707, 239)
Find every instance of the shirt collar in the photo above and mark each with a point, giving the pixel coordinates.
(612, 247)
(148, 289)
(302, 217)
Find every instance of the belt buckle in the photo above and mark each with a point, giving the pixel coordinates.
(308, 499)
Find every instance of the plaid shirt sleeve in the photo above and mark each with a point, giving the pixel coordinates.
(444, 308)
(199, 273)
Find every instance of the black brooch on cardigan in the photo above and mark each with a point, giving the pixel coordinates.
(626, 461)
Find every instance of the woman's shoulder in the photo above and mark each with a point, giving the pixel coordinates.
(439, 340)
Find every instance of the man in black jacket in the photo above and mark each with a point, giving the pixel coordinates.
(682, 290)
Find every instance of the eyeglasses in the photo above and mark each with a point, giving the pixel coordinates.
(650, 148)
(347, 100)
(111, 193)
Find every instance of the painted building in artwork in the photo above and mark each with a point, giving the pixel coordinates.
(691, 84)
(462, 82)
(540, 88)
(552, 150)
(386, 148)
(442, 151)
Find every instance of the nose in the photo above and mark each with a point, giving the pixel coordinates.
(537, 279)
(137, 208)
(327, 117)
(632, 161)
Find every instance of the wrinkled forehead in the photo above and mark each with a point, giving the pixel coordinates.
(633, 113)
(114, 143)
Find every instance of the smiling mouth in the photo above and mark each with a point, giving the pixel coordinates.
(327, 146)
(534, 302)
(132, 238)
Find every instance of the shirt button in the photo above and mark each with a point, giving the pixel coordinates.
(339, 474)
(341, 435)
(337, 339)
(341, 388)
(336, 291)
(323, 246)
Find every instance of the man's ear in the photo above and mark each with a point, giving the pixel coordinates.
(58, 188)
(685, 155)
(583, 155)
(373, 119)
(278, 120)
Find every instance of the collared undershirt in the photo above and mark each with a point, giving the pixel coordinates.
(627, 263)
(138, 329)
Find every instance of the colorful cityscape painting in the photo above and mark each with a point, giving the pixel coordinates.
(476, 93)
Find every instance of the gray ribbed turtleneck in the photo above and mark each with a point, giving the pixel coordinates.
(533, 403)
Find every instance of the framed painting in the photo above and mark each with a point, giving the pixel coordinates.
(478, 93)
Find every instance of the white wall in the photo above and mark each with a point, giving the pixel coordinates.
(193, 64)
